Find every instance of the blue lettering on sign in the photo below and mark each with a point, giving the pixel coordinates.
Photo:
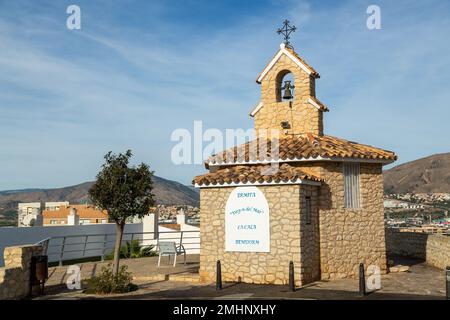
(257, 210)
(246, 227)
(247, 241)
(246, 195)
(247, 209)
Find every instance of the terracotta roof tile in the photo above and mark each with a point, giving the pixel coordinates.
(173, 226)
(84, 211)
(242, 174)
(300, 147)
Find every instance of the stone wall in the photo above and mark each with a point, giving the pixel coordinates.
(309, 236)
(332, 247)
(15, 276)
(302, 116)
(349, 237)
(286, 226)
(433, 248)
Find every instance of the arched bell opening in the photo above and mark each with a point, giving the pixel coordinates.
(284, 86)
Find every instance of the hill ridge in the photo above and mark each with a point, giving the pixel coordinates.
(167, 192)
(429, 174)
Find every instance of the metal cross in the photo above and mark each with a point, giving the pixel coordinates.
(286, 30)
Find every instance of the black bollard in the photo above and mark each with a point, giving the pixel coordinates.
(362, 281)
(291, 277)
(447, 280)
(218, 276)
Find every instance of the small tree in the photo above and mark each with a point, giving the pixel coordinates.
(123, 191)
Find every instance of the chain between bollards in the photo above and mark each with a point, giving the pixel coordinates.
(291, 276)
(362, 280)
(218, 276)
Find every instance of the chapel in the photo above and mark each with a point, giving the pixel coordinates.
(317, 201)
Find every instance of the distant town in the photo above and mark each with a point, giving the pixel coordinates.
(422, 212)
(56, 204)
(63, 213)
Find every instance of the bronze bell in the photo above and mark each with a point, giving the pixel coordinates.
(287, 90)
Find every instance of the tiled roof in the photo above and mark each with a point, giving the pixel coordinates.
(301, 147)
(250, 175)
(84, 212)
(173, 226)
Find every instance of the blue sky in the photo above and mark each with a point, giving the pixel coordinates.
(137, 70)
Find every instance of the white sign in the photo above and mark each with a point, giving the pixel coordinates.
(247, 226)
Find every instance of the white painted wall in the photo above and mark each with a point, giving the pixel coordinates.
(191, 240)
(12, 236)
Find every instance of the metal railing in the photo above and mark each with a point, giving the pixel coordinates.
(44, 244)
(75, 247)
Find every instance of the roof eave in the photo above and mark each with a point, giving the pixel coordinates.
(273, 183)
(277, 56)
(312, 159)
(256, 109)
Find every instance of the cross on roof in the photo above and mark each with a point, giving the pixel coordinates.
(286, 30)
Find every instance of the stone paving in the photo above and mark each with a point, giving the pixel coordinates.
(143, 269)
(421, 282)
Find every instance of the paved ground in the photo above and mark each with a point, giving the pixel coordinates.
(141, 268)
(421, 282)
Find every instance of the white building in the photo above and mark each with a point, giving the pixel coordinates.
(399, 204)
(55, 206)
(30, 213)
(100, 238)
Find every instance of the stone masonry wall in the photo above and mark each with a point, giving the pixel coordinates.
(433, 248)
(256, 267)
(340, 240)
(349, 237)
(303, 117)
(15, 276)
(309, 236)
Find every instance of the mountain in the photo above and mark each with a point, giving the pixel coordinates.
(166, 192)
(172, 192)
(426, 175)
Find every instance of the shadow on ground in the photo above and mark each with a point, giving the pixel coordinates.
(258, 292)
(421, 282)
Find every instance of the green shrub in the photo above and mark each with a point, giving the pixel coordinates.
(133, 249)
(106, 282)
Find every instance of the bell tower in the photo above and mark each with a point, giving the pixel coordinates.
(288, 96)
